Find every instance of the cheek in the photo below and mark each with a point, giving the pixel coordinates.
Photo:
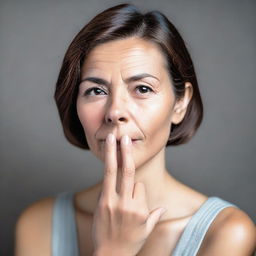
(90, 118)
(156, 120)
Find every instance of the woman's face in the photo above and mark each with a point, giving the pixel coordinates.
(111, 99)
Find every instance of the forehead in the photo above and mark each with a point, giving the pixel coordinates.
(127, 56)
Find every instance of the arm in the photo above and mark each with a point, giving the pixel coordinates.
(33, 229)
(233, 234)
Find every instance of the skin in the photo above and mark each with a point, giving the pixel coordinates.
(120, 214)
(122, 221)
(123, 109)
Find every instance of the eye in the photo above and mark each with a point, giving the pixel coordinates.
(144, 89)
(98, 91)
(93, 89)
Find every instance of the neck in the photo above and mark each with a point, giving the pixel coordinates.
(162, 190)
(155, 178)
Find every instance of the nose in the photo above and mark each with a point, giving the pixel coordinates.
(116, 111)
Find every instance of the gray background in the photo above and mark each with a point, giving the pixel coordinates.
(37, 161)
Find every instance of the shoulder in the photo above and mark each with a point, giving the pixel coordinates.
(231, 233)
(33, 228)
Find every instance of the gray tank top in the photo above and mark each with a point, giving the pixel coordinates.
(64, 231)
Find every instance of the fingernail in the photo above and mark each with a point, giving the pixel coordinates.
(110, 138)
(127, 140)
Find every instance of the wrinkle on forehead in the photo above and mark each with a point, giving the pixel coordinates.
(121, 57)
(126, 54)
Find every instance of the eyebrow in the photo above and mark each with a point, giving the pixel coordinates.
(101, 81)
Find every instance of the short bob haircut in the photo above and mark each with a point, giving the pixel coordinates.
(119, 22)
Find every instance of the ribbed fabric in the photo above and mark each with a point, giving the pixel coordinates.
(193, 235)
(64, 231)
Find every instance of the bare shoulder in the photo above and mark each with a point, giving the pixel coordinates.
(231, 233)
(33, 229)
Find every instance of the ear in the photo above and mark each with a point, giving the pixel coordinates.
(180, 107)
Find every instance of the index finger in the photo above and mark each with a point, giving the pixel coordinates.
(110, 169)
(128, 168)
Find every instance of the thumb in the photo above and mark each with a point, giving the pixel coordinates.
(154, 217)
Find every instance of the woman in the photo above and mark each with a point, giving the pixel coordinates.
(127, 89)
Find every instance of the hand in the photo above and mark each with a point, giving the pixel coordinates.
(122, 221)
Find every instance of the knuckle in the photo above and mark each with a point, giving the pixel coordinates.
(105, 207)
(105, 203)
(128, 172)
(109, 172)
(108, 150)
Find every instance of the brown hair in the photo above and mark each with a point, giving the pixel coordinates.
(118, 22)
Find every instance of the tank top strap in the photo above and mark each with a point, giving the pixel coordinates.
(64, 231)
(193, 235)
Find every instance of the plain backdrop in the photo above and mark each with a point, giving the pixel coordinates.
(36, 159)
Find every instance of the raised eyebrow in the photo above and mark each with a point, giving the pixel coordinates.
(101, 81)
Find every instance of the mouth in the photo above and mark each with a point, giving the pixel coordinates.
(118, 143)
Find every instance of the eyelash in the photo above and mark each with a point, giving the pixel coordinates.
(95, 88)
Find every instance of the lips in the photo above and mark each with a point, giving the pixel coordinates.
(118, 143)
(135, 138)
(118, 138)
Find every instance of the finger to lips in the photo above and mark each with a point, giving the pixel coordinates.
(109, 183)
(128, 168)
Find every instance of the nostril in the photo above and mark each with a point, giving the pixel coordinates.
(109, 120)
(115, 119)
